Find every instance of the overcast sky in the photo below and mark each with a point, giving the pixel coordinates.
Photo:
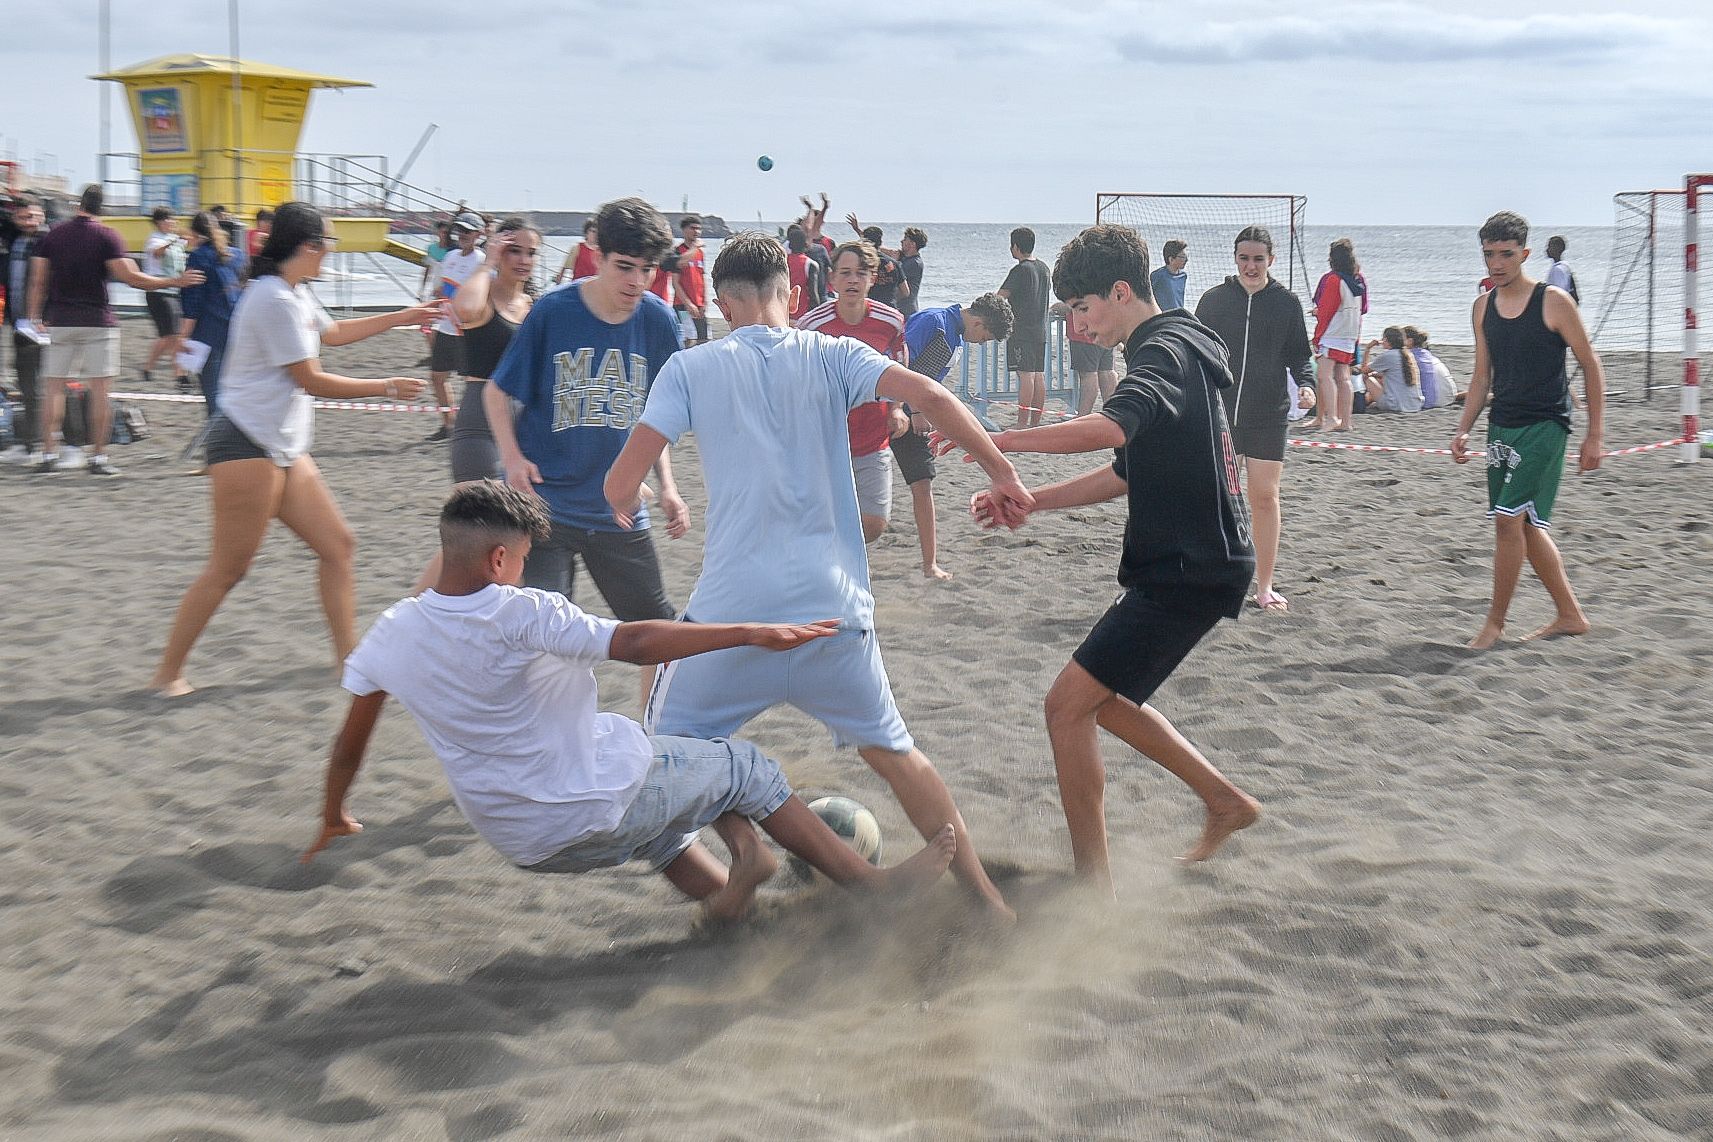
(945, 110)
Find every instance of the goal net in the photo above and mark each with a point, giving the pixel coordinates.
(1642, 305)
(1209, 223)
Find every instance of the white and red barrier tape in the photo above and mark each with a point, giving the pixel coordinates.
(1339, 445)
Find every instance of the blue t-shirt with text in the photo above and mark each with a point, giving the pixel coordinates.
(934, 336)
(582, 383)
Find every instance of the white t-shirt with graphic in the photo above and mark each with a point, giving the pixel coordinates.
(501, 684)
(273, 326)
(454, 268)
(163, 256)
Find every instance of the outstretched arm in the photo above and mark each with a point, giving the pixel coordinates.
(623, 487)
(355, 329)
(660, 640)
(955, 422)
(342, 765)
(1089, 433)
(1092, 487)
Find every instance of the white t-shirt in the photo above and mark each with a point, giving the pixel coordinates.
(273, 326)
(454, 268)
(501, 684)
(163, 256)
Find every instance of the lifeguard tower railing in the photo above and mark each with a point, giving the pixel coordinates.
(986, 384)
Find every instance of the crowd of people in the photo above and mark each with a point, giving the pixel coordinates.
(574, 399)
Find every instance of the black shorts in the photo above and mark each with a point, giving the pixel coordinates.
(226, 441)
(622, 564)
(446, 355)
(915, 458)
(1026, 356)
(1087, 357)
(1260, 438)
(1143, 636)
(163, 310)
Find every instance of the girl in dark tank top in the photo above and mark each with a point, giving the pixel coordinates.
(489, 307)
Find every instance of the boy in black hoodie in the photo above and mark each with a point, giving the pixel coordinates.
(1261, 323)
(1187, 558)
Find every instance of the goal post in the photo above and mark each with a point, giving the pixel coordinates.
(1696, 189)
(1208, 223)
(1643, 296)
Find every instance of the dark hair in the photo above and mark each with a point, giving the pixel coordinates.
(1395, 340)
(588, 225)
(873, 235)
(1253, 234)
(995, 313)
(482, 514)
(92, 198)
(203, 225)
(1506, 226)
(24, 202)
(1098, 259)
(294, 224)
(1172, 248)
(1418, 335)
(1555, 247)
(917, 235)
(160, 214)
(866, 254)
(796, 239)
(1023, 239)
(632, 228)
(1341, 256)
(750, 258)
(443, 228)
(689, 220)
(264, 215)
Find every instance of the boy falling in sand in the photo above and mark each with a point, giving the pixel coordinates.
(1187, 558)
(1522, 328)
(499, 679)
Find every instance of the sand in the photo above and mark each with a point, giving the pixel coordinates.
(1477, 906)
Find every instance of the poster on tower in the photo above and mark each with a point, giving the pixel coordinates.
(160, 113)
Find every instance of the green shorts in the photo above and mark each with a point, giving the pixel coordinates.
(1524, 466)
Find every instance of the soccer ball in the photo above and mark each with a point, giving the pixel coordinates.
(764, 163)
(854, 824)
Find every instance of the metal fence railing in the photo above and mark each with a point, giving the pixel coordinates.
(984, 378)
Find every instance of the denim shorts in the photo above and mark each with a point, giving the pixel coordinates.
(690, 782)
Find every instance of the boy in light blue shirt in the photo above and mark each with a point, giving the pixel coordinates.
(769, 406)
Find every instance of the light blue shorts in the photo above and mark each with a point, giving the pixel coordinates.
(689, 784)
(838, 681)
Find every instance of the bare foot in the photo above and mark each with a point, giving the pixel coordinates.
(1560, 628)
(752, 865)
(1490, 634)
(1271, 600)
(171, 687)
(935, 571)
(1221, 823)
(923, 869)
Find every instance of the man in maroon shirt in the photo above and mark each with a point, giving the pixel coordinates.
(68, 297)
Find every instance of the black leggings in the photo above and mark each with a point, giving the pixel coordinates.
(475, 456)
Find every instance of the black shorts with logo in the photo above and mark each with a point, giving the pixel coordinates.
(915, 458)
(1148, 631)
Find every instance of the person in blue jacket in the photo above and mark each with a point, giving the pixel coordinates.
(208, 307)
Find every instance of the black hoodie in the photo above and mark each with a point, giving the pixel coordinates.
(1265, 333)
(1189, 524)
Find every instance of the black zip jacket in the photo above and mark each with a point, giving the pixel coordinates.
(1265, 334)
(1189, 523)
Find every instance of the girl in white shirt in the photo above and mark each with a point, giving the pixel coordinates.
(259, 464)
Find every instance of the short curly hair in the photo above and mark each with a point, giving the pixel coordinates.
(995, 314)
(483, 513)
(1098, 259)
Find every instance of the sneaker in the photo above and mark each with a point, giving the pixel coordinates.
(98, 466)
(440, 435)
(48, 464)
(183, 383)
(146, 378)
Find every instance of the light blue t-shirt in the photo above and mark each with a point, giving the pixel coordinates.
(769, 408)
(1168, 287)
(582, 383)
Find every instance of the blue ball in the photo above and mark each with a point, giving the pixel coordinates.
(764, 163)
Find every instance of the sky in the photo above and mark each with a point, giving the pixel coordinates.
(1017, 111)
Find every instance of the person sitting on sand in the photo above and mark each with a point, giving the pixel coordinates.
(1439, 387)
(500, 680)
(1393, 376)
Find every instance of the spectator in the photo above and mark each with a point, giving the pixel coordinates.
(1340, 298)
(447, 354)
(808, 282)
(436, 250)
(1559, 274)
(582, 262)
(25, 231)
(68, 290)
(1393, 376)
(258, 236)
(163, 257)
(1093, 364)
(1168, 282)
(1439, 387)
(910, 265)
(888, 277)
(1028, 287)
(692, 283)
(208, 307)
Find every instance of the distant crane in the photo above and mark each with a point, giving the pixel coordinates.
(409, 162)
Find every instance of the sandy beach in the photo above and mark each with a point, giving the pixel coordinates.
(1477, 906)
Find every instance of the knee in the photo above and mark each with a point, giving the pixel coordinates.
(340, 549)
(872, 527)
(1063, 710)
(894, 766)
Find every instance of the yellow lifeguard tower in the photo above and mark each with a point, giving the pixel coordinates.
(212, 130)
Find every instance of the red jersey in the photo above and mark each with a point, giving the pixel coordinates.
(798, 265)
(881, 329)
(253, 242)
(587, 263)
(661, 287)
(692, 286)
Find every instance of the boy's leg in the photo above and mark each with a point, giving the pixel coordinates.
(928, 803)
(922, 504)
(1072, 705)
(1087, 389)
(752, 865)
(1262, 477)
(1543, 556)
(873, 476)
(796, 827)
(696, 872)
(626, 570)
(1509, 548)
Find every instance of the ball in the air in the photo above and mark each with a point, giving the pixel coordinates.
(853, 823)
(764, 163)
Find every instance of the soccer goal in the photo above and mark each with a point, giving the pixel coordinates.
(1208, 223)
(1697, 191)
(1641, 308)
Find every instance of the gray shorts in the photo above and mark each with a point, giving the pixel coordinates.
(81, 353)
(690, 783)
(874, 483)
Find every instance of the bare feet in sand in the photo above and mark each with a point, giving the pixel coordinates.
(1490, 634)
(170, 687)
(1560, 628)
(1271, 600)
(1221, 823)
(924, 868)
(752, 865)
(936, 572)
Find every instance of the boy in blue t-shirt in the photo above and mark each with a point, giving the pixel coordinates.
(580, 366)
(770, 406)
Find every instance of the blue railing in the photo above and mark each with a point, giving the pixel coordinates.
(983, 378)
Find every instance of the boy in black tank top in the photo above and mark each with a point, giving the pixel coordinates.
(1522, 329)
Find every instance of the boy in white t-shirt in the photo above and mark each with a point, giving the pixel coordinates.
(499, 679)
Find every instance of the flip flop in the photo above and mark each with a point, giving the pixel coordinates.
(1272, 601)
